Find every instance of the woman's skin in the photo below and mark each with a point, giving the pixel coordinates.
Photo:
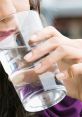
(10, 104)
(8, 7)
(64, 51)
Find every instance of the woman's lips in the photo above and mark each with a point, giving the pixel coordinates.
(5, 34)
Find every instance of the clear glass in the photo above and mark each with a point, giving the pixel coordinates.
(36, 92)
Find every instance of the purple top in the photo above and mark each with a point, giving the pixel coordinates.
(68, 107)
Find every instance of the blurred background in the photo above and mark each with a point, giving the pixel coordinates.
(65, 15)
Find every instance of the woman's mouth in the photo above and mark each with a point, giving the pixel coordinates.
(5, 34)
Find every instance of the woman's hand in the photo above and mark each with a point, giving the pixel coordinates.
(60, 48)
(73, 82)
(63, 51)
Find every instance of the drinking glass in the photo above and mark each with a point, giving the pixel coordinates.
(36, 92)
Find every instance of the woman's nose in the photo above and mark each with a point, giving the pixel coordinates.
(6, 8)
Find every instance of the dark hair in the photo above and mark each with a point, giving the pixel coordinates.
(35, 5)
(10, 104)
(9, 101)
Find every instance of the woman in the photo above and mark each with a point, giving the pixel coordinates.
(10, 104)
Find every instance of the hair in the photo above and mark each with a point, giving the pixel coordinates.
(10, 104)
(35, 5)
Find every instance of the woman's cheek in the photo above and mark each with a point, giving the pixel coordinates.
(21, 5)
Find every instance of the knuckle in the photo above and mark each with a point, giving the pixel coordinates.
(37, 52)
(62, 48)
(55, 41)
(77, 68)
(47, 61)
(54, 31)
(51, 28)
(63, 51)
(74, 69)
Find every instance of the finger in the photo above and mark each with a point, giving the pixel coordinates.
(76, 69)
(72, 72)
(49, 61)
(60, 53)
(42, 50)
(45, 34)
(50, 45)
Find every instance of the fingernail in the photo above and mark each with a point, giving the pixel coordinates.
(28, 56)
(60, 76)
(33, 37)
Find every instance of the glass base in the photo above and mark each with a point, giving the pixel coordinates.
(42, 100)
